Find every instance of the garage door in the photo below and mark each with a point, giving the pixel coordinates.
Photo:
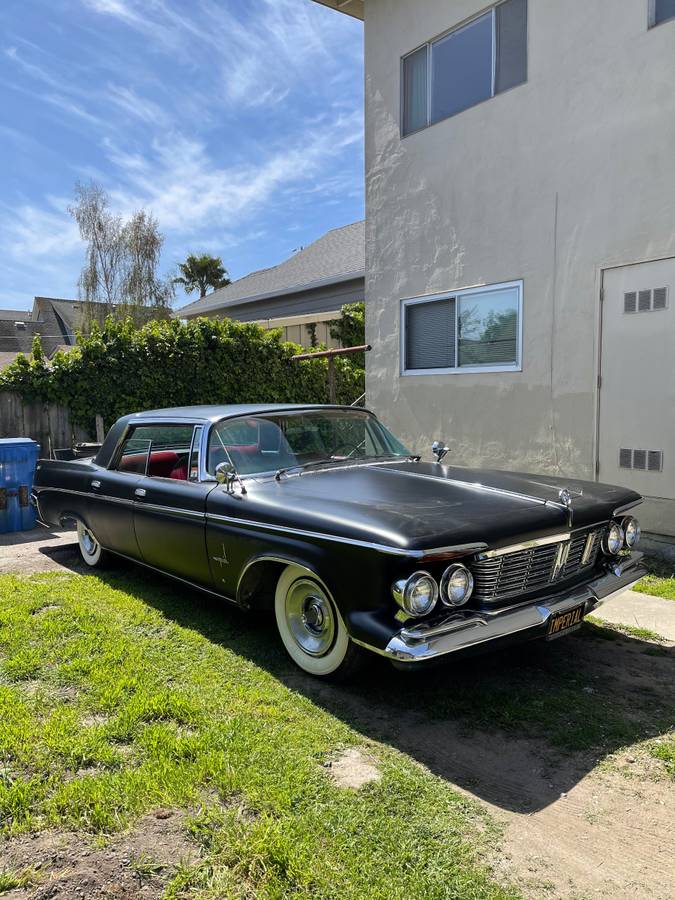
(636, 438)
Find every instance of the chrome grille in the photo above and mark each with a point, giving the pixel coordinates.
(498, 578)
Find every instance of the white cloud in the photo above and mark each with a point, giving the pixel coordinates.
(186, 190)
(142, 108)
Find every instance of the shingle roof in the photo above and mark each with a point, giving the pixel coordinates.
(336, 256)
(14, 315)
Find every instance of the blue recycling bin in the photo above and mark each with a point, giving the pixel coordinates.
(18, 457)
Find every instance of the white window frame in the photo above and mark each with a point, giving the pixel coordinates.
(488, 10)
(459, 293)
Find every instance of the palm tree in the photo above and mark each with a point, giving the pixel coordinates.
(202, 272)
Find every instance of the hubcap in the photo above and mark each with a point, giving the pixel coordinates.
(310, 617)
(89, 542)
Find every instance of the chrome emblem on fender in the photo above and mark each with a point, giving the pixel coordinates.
(221, 560)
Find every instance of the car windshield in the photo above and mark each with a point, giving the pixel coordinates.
(255, 444)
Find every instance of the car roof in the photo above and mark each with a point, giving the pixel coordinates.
(215, 413)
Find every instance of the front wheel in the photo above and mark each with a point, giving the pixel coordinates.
(311, 628)
(91, 551)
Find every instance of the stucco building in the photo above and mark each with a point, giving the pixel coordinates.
(520, 238)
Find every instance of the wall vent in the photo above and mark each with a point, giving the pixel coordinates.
(642, 460)
(645, 301)
(660, 298)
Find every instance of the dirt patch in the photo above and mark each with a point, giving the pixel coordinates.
(593, 823)
(137, 864)
(39, 550)
(352, 768)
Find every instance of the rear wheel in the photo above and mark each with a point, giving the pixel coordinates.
(91, 551)
(311, 628)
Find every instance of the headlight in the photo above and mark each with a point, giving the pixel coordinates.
(631, 531)
(416, 595)
(456, 585)
(612, 541)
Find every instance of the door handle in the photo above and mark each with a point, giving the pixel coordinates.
(96, 484)
(140, 492)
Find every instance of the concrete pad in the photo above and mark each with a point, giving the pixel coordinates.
(640, 611)
(39, 550)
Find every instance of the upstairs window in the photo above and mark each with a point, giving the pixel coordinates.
(661, 11)
(474, 62)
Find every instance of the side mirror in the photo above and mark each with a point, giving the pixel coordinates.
(226, 474)
(439, 450)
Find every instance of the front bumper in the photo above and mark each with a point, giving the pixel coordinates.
(472, 630)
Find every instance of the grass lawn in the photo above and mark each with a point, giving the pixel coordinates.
(657, 586)
(661, 579)
(122, 694)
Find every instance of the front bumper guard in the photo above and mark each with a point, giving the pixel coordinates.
(469, 629)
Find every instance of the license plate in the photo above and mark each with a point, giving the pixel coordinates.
(564, 622)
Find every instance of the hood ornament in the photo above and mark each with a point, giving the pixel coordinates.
(566, 498)
(439, 450)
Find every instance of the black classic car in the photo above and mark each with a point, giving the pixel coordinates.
(320, 514)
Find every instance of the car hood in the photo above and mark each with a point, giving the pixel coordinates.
(420, 506)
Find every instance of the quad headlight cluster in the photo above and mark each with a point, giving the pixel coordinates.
(623, 534)
(419, 594)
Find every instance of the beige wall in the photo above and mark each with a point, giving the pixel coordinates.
(549, 182)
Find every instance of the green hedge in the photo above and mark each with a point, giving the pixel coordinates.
(120, 369)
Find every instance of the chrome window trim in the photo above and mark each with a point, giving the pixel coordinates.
(206, 476)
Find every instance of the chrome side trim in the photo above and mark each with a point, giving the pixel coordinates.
(86, 494)
(192, 584)
(626, 507)
(171, 511)
(459, 549)
(354, 542)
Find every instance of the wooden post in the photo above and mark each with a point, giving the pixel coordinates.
(330, 356)
(100, 430)
(332, 387)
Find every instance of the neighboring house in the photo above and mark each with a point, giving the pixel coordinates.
(520, 239)
(54, 320)
(301, 295)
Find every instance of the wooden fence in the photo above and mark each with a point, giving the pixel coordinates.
(48, 424)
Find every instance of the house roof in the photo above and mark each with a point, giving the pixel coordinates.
(339, 255)
(47, 319)
(353, 8)
(14, 315)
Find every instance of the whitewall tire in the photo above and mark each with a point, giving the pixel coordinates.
(310, 626)
(91, 551)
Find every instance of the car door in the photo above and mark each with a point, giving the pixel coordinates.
(170, 504)
(110, 509)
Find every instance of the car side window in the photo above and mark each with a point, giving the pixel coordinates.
(159, 451)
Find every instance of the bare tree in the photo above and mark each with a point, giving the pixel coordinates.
(119, 276)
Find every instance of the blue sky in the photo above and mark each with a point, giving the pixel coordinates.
(238, 123)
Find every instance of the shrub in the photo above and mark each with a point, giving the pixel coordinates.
(119, 369)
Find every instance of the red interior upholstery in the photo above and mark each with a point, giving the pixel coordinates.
(161, 465)
(180, 473)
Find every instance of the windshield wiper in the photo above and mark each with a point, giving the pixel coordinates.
(340, 462)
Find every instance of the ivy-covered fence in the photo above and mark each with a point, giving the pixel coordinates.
(120, 369)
